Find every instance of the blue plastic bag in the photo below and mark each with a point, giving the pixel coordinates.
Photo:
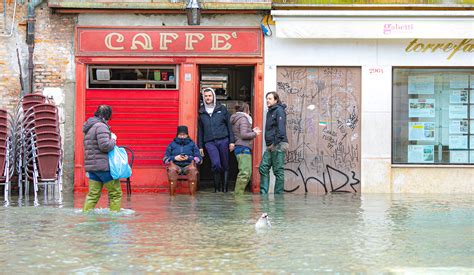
(118, 162)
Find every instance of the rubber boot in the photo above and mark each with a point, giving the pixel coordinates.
(114, 190)
(95, 190)
(217, 182)
(225, 188)
(264, 170)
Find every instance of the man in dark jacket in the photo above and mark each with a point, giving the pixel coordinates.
(277, 144)
(98, 141)
(215, 133)
(181, 157)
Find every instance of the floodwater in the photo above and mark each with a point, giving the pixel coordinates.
(215, 233)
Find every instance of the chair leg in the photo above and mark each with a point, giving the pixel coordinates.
(129, 187)
(173, 187)
(192, 188)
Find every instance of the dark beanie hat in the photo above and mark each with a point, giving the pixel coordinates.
(182, 130)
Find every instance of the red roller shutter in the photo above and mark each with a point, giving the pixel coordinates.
(145, 121)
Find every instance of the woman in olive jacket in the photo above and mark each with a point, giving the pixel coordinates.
(98, 141)
(244, 135)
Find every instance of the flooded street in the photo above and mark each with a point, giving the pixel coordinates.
(216, 233)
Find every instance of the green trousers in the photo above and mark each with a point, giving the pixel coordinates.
(245, 172)
(95, 190)
(276, 160)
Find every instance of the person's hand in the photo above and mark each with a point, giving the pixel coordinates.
(180, 158)
(201, 151)
(257, 131)
(271, 148)
(231, 147)
(113, 136)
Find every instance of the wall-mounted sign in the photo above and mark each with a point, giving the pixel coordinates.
(450, 48)
(170, 41)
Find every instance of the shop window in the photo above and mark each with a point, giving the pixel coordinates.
(433, 116)
(133, 77)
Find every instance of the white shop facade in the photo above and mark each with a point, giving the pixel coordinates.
(378, 101)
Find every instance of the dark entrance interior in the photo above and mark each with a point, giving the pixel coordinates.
(233, 85)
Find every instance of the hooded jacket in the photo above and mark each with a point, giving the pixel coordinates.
(183, 146)
(215, 125)
(242, 129)
(275, 126)
(97, 144)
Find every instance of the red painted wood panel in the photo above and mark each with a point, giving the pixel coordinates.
(144, 120)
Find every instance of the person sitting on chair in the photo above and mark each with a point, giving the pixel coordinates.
(181, 157)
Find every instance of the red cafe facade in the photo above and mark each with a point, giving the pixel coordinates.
(151, 77)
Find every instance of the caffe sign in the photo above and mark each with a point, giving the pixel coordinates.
(161, 41)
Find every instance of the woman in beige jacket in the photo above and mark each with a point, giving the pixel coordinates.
(244, 135)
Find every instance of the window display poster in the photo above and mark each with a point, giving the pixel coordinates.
(458, 126)
(458, 97)
(421, 84)
(457, 111)
(421, 153)
(458, 81)
(457, 142)
(421, 131)
(458, 156)
(420, 107)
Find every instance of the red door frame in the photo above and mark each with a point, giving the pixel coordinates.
(188, 102)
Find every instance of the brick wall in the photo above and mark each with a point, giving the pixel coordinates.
(54, 56)
(9, 69)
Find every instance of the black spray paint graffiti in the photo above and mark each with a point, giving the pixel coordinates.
(331, 185)
(285, 87)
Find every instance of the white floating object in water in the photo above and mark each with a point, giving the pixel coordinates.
(263, 222)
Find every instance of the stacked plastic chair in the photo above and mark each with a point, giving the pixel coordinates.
(7, 156)
(39, 153)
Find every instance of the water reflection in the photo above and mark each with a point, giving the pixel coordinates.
(215, 233)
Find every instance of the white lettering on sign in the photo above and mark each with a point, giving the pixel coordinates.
(218, 39)
(193, 38)
(146, 44)
(164, 41)
(108, 41)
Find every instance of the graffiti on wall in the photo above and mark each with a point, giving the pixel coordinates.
(323, 128)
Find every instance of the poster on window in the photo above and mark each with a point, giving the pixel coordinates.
(458, 156)
(458, 126)
(421, 153)
(458, 97)
(421, 84)
(458, 81)
(457, 111)
(457, 142)
(421, 131)
(420, 107)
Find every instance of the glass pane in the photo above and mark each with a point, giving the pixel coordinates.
(433, 116)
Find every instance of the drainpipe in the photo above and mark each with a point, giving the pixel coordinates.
(30, 40)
